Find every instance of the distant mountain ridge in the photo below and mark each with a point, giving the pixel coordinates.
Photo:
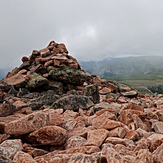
(130, 67)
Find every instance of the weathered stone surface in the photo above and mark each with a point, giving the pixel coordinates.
(34, 152)
(126, 115)
(68, 152)
(132, 135)
(75, 141)
(19, 104)
(83, 158)
(17, 80)
(10, 147)
(36, 81)
(49, 135)
(73, 102)
(119, 132)
(96, 137)
(6, 109)
(68, 75)
(92, 90)
(113, 156)
(114, 140)
(26, 124)
(105, 105)
(47, 99)
(105, 91)
(3, 137)
(103, 122)
(130, 94)
(158, 154)
(57, 87)
(158, 127)
(144, 156)
(4, 159)
(21, 157)
(156, 140)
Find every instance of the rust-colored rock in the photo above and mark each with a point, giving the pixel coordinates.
(23, 157)
(49, 135)
(103, 122)
(96, 137)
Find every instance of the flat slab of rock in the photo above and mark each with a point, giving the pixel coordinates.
(17, 80)
(105, 105)
(96, 137)
(73, 102)
(130, 94)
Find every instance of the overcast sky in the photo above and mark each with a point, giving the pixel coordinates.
(90, 29)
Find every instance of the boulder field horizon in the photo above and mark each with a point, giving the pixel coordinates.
(52, 111)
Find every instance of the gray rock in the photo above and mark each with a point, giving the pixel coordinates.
(73, 102)
(92, 90)
(36, 81)
(67, 75)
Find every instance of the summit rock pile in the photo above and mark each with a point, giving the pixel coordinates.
(52, 111)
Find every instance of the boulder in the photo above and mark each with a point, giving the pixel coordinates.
(93, 91)
(49, 135)
(73, 102)
(36, 81)
(68, 75)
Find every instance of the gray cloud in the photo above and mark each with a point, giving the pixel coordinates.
(90, 29)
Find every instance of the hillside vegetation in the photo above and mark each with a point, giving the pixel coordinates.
(142, 73)
(132, 67)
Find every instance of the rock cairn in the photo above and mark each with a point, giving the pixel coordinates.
(51, 111)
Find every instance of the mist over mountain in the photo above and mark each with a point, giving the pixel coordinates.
(131, 67)
(3, 72)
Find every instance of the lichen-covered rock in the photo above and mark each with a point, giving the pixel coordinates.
(73, 102)
(92, 90)
(47, 99)
(36, 81)
(68, 75)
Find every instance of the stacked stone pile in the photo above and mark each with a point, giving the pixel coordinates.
(51, 111)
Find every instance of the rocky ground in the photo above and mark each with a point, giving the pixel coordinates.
(51, 111)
